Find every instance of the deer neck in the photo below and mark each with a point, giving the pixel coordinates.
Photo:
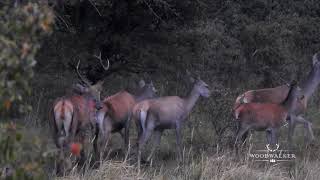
(191, 100)
(310, 84)
(141, 96)
(290, 100)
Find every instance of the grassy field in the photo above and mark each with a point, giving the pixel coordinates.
(207, 155)
(211, 162)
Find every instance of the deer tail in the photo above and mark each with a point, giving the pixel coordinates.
(143, 117)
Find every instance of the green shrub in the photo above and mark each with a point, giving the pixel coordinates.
(22, 155)
(21, 30)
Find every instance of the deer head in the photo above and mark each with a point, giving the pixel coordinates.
(93, 90)
(200, 86)
(145, 91)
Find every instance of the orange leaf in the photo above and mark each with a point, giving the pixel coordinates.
(7, 104)
(75, 149)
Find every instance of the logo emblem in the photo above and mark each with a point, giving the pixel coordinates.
(272, 150)
(272, 154)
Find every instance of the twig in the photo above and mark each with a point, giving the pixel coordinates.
(95, 8)
(64, 22)
(154, 13)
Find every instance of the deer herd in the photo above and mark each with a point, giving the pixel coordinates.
(260, 110)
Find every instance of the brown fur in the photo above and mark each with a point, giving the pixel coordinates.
(116, 114)
(119, 106)
(157, 115)
(267, 117)
(71, 116)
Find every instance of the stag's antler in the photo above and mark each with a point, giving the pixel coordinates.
(84, 80)
(100, 60)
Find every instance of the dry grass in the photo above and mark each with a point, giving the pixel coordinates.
(223, 165)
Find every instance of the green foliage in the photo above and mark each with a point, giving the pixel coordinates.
(21, 30)
(22, 155)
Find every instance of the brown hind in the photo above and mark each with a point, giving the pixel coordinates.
(278, 94)
(267, 117)
(116, 114)
(156, 115)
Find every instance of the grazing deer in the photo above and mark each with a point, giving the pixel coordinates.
(278, 94)
(267, 117)
(166, 113)
(72, 114)
(116, 114)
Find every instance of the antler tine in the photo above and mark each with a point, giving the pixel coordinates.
(80, 76)
(100, 60)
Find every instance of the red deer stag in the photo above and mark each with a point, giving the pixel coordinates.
(74, 113)
(267, 117)
(116, 114)
(166, 113)
(278, 94)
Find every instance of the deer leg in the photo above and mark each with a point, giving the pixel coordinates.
(178, 138)
(104, 142)
(142, 141)
(105, 131)
(274, 138)
(292, 125)
(307, 126)
(157, 139)
(244, 137)
(269, 136)
(126, 133)
(81, 138)
(241, 131)
(60, 162)
(95, 141)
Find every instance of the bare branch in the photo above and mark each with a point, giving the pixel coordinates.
(95, 7)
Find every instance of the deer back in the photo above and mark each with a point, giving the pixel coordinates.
(271, 95)
(168, 108)
(119, 105)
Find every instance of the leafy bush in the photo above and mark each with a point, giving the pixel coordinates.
(21, 156)
(21, 30)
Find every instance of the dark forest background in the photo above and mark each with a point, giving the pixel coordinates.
(233, 45)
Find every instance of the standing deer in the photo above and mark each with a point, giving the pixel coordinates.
(267, 117)
(116, 114)
(278, 94)
(71, 115)
(166, 113)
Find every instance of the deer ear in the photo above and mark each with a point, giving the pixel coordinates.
(80, 88)
(189, 76)
(315, 58)
(99, 85)
(142, 83)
